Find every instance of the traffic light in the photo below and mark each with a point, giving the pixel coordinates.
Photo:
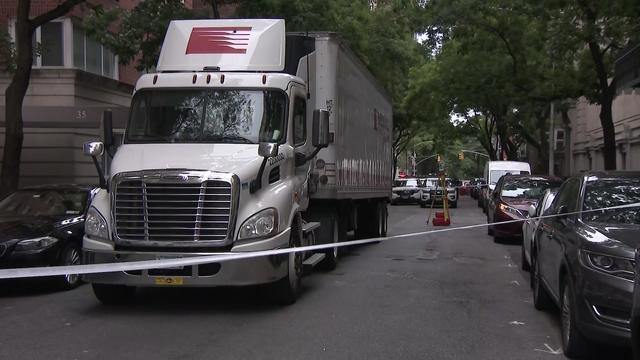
(461, 155)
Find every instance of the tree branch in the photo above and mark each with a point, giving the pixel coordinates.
(55, 13)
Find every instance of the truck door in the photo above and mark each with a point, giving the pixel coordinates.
(298, 140)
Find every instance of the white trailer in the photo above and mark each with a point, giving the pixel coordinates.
(244, 140)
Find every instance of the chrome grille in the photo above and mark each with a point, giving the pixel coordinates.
(173, 209)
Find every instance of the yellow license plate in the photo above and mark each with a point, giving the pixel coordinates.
(169, 280)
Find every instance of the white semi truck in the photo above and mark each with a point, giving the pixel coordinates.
(246, 139)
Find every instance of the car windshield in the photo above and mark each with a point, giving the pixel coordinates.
(495, 175)
(407, 183)
(44, 203)
(602, 193)
(207, 116)
(526, 188)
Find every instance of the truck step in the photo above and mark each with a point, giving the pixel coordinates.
(313, 260)
(310, 226)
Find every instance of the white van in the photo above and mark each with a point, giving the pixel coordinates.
(493, 171)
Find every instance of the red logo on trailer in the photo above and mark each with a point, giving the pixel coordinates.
(218, 40)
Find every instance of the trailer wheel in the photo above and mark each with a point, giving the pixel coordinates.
(285, 291)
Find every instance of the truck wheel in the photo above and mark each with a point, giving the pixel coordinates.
(384, 216)
(70, 255)
(331, 255)
(109, 294)
(285, 291)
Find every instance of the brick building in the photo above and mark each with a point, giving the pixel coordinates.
(72, 82)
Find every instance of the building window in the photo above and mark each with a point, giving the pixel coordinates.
(91, 56)
(48, 40)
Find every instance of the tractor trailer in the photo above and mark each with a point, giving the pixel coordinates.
(246, 138)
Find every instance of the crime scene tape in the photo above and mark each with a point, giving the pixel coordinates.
(223, 257)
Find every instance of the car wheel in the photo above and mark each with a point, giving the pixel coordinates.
(573, 343)
(69, 256)
(524, 265)
(109, 294)
(541, 298)
(285, 291)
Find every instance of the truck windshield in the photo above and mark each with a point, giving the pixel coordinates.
(207, 116)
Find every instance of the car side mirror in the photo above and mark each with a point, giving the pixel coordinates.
(320, 129)
(267, 150)
(532, 211)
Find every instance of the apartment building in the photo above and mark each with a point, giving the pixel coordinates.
(73, 81)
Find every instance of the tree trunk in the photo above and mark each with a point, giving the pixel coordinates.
(608, 131)
(14, 97)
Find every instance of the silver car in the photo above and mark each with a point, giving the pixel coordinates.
(531, 224)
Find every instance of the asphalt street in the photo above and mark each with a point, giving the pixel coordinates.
(455, 295)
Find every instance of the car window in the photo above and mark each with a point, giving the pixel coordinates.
(602, 193)
(44, 203)
(567, 195)
(299, 121)
(526, 188)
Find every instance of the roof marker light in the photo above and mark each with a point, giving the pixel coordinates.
(264, 79)
(155, 78)
(208, 78)
(222, 79)
(195, 77)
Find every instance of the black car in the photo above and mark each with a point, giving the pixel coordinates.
(44, 226)
(635, 313)
(584, 263)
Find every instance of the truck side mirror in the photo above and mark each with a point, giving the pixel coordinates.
(95, 149)
(320, 133)
(267, 150)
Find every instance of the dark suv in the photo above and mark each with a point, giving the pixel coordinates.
(584, 263)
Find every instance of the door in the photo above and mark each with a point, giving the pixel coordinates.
(554, 232)
(299, 141)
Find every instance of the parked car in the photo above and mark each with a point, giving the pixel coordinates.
(433, 193)
(511, 199)
(635, 312)
(405, 191)
(465, 188)
(476, 185)
(584, 263)
(44, 226)
(531, 224)
(493, 171)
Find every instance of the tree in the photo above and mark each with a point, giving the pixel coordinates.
(140, 32)
(595, 31)
(17, 89)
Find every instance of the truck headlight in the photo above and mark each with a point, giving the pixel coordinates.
(35, 244)
(612, 265)
(259, 225)
(95, 225)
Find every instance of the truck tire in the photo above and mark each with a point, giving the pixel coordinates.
(330, 261)
(384, 218)
(109, 294)
(286, 290)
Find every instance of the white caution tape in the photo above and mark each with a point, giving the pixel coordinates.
(218, 258)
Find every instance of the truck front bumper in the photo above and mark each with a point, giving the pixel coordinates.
(253, 271)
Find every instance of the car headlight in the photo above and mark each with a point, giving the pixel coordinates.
(95, 225)
(511, 210)
(612, 265)
(35, 244)
(259, 225)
